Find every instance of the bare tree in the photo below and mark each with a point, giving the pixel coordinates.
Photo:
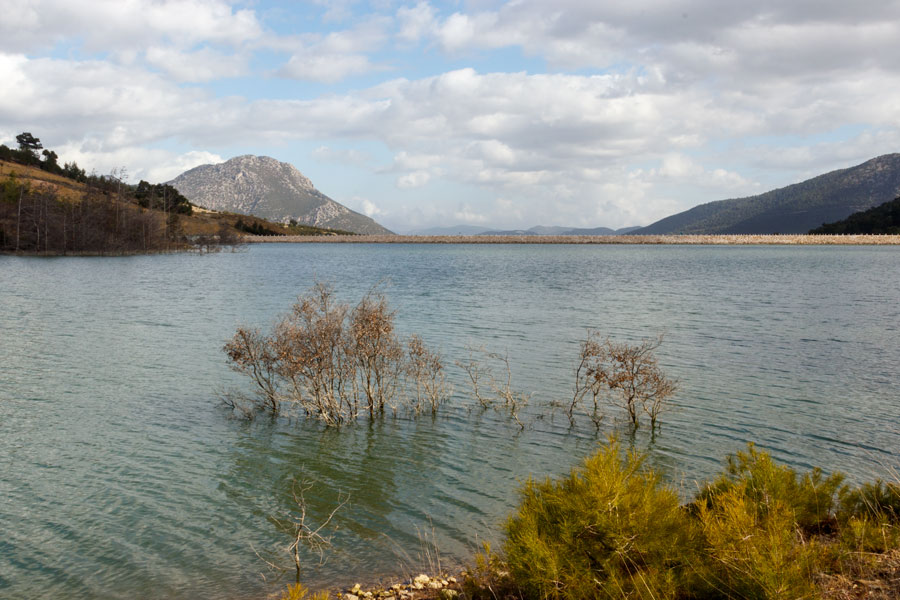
(376, 350)
(481, 375)
(626, 375)
(333, 361)
(511, 399)
(251, 353)
(477, 373)
(304, 534)
(425, 368)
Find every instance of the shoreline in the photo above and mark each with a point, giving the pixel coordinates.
(680, 240)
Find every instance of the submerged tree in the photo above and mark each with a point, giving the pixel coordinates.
(304, 535)
(624, 375)
(334, 362)
(425, 370)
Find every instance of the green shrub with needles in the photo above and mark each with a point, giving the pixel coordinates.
(613, 528)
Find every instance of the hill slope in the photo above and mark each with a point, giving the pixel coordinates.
(793, 209)
(54, 214)
(265, 187)
(883, 219)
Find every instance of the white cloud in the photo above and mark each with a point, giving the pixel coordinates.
(404, 161)
(325, 68)
(201, 65)
(466, 214)
(152, 165)
(344, 156)
(415, 22)
(370, 209)
(337, 55)
(678, 102)
(30, 25)
(413, 180)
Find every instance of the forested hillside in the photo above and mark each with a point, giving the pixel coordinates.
(880, 220)
(793, 209)
(52, 209)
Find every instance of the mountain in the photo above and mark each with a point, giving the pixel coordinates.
(557, 230)
(451, 230)
(882, 219)
(265, 187)
(509, 232)
(793, 209)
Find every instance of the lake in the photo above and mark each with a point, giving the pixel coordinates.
(123, 475)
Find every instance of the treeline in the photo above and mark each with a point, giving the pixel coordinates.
(255, 228)
(46, 160)
(879, 220)
(110, 216)
(34, 219)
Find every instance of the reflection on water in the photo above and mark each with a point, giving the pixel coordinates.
(122, 476)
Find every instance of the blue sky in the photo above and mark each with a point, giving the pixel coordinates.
(503, 114)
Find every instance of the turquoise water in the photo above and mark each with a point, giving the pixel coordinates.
(122, 476)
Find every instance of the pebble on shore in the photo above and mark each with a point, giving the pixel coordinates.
(419, 587)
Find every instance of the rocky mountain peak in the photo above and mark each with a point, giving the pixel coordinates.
(268, 188)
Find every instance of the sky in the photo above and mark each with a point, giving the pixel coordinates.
(504, 114)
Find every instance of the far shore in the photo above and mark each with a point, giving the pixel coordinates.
(720, 240)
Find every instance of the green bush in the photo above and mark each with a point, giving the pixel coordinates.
(809, 500)
(877, 500)
(611, 529)
(760, 530)
(753, 547)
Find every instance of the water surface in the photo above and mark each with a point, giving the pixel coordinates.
(122, 476)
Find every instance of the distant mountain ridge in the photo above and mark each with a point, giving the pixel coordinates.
(265, 187)
(556, 230)
(536, 230)
(796, 208)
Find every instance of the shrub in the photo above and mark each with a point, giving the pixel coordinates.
(760, 530)
(624, 375)
(754, 553)
(870, 517)
(609, 529)
(810, 499)
(879, 500)
(335, 362)
(298, 591)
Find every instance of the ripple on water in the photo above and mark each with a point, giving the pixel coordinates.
(123, 477)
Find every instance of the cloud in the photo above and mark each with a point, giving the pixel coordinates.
(153, 165)
(544, 137)
(325, 68)
(337, 55)
(413, 180)
(466, 214)
(30, 25)
(644, 107)
(343, 156)
(415, 22)
(370, 209)
(201, 65)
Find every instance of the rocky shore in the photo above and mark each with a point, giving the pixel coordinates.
(420, 587)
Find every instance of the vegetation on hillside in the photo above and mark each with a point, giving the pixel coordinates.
(51, 209)
(883, 219)
(614, 529)
(793, 209)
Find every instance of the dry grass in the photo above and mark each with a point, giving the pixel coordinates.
(717, 240)
(65, 187)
